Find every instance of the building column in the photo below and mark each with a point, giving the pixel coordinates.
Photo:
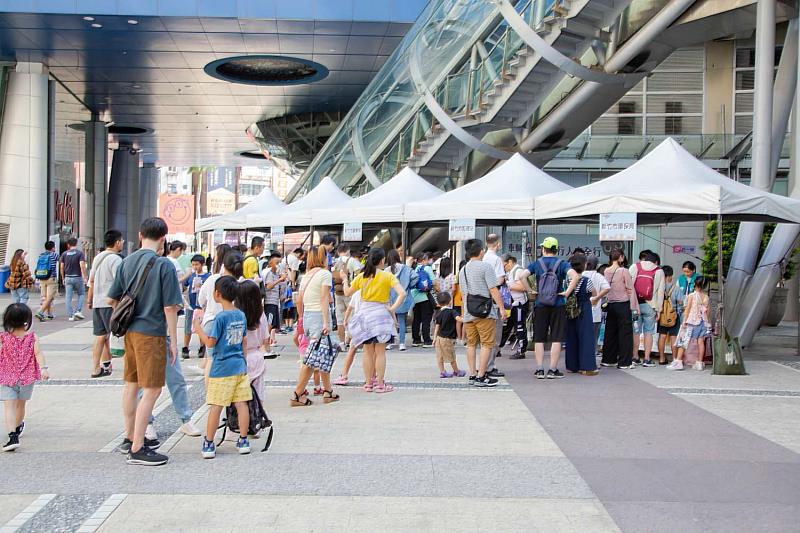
(148, 191)
(23, 160)
(123, 195)
(96, 179)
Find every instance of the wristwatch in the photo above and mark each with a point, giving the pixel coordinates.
(44, 367)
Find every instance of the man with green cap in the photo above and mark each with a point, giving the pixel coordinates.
(549, 321)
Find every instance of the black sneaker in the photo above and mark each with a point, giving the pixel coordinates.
(648, 363)
(663, 363)
(153, 444)
(539, 374)
(428, 345)
(125, 447)
(20, 429)
(485, 381)
(636, 362)
(185, 353)
(516, 356)
(494, 373)
(147, 457)
(472, 380)
(12, 444)
(555, 374)
(201, 352)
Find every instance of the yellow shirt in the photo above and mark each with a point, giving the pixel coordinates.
(250, 267)
(375, 289)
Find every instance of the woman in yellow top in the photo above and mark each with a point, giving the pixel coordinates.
(374, 323)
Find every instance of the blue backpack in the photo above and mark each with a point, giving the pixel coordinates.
(549, 286)
(42, 271)
(424, 283)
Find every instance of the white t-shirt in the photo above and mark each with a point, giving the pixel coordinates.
(292, 262)
(516, 274)
(312, 285)
(104, 270)
(176, 264)
(491, 258)
(600, 283)
(205, 299)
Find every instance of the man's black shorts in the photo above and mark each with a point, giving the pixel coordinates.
(101, 321)
(273, 318)
(549, 324)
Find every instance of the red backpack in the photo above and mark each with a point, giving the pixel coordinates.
(644, 282)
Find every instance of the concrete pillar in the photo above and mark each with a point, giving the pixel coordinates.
(123, 195)
(96, 177)
(148, 191)
(23, 160)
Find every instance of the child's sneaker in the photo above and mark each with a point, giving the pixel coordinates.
(402, 347)
(20, 428)
(209, 450)
(698, 365)
(243, 446)
(675, 365)
(459, 374)
(445, 375)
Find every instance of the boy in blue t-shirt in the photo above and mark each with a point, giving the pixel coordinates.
(227, 381)
(192, 284)
(288, 310)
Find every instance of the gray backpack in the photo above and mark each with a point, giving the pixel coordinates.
(549, 285)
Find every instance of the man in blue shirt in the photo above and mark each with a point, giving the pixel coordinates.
(550, 319)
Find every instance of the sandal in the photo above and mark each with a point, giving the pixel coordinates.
(329, 397)
(383, 387)
(298, 402)
(318, 391)
(367, 387)
(341, 381)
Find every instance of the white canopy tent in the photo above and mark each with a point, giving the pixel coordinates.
(299, 213)
(506, 193)
(668, 185)
(264, 202)
(384, 204)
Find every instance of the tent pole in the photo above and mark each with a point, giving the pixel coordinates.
(720, 281)
(311, 234)
(534, 239)
(404, 240)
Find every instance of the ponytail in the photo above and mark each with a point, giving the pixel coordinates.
(374, 258)
(234, 264)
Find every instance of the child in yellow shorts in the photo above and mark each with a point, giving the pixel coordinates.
(228, 382)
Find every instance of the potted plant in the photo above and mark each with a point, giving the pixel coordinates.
(777, 306)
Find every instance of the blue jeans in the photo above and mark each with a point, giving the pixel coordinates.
(19, 296)
(74, 285)
(176, 385)
(401, 327)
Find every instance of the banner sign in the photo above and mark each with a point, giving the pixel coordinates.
(276, 234)
(178, 211)
(462, 229)
(352, 231)
(618, 226)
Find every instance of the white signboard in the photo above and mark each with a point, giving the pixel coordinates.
(618, 226)
(219, 236)
(276, 234)
(462, 229)
(352, 232)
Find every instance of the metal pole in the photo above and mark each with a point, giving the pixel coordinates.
(534, 240)
(720, 281)
(311, 235)
(404, 240)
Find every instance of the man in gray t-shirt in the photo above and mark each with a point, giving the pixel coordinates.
(479, 279)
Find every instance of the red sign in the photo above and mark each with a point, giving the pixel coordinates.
(178, 211)
(65, 212)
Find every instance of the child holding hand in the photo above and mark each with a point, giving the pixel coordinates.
(444, 337)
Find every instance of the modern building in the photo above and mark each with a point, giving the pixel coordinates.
(99, 94)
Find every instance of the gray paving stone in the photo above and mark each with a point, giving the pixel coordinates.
(65, 513)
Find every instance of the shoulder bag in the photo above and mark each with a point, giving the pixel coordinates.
(122, 315)
(477, 305)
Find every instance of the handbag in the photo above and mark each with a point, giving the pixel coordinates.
(122, 315)
(477, 305)
(728, 360)
(322, 354)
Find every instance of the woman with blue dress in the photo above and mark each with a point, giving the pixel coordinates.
(580, 353)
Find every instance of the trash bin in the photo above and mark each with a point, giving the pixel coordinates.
(5, 271)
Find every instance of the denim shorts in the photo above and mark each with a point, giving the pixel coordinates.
(16, 392)
(647, 320)
(698, 331)
(312, 324)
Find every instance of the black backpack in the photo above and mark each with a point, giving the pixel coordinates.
(259, 420)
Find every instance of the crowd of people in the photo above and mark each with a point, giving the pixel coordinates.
(239, 301)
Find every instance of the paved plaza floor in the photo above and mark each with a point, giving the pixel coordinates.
(643, 450)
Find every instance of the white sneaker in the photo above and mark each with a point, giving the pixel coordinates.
(150, 432)
(71, 319)
(698, 365)
(675, 365)
(389, 347)
(190, 430)
(79, 315)
(402, 348)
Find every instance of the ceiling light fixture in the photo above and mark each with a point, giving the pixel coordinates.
(89, 19)
(96, 25)
(133, 22)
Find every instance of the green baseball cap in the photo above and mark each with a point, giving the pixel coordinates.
(550, 242)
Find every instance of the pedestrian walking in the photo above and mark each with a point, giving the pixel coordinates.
(147, 350)
(101, 277)
(19, 279)
(22, 363)
(73, 273)
(47, 274)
